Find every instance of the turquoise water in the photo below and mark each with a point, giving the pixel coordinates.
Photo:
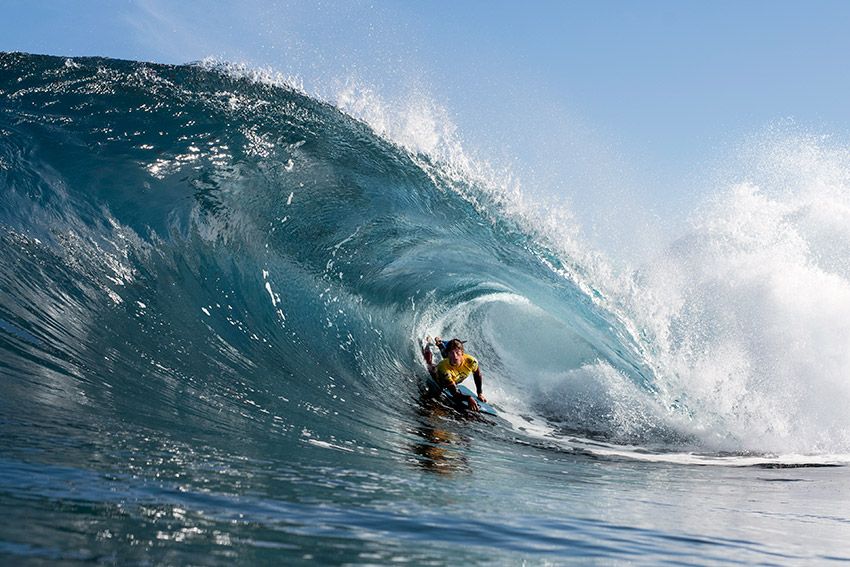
(212, 296)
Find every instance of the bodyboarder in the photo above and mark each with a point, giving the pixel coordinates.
(455, 367)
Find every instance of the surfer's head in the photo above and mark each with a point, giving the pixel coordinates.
(454, 351)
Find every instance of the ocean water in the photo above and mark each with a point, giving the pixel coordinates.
(213, 293)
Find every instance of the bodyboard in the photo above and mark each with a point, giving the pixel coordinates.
(483, 407)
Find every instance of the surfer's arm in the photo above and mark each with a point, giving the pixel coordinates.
(479, 380)
(429, 362)
(440, 345)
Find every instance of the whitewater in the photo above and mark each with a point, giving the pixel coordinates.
(213, 296)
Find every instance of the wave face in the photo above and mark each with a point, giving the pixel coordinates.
(223, 282)
(190, 248)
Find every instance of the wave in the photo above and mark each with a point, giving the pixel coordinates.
(198, 250)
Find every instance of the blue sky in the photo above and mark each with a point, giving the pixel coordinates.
(597, 101)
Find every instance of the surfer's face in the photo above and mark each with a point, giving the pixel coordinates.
(455, 356)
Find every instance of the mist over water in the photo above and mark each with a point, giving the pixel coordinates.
(746, 313)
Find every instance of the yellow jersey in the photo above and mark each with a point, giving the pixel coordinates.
(456, 374)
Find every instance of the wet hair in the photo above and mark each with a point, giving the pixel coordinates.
(454, 344)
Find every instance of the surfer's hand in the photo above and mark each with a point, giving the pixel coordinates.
(473, 405)
(481, 397)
